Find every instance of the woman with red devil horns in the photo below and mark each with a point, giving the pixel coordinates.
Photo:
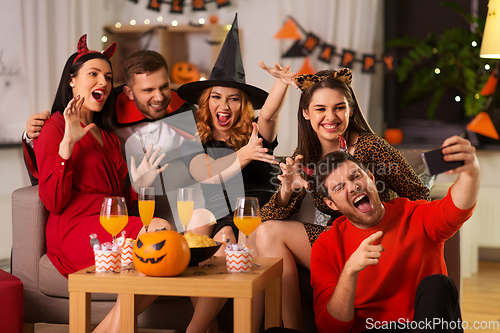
(80, 161)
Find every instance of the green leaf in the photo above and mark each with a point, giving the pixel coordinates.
(458, 61)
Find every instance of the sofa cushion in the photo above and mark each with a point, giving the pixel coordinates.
(52, 283)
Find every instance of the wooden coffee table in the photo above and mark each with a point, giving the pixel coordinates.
(211, 281)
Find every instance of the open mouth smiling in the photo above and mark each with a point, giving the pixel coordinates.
(362, 203)
(157, 107)
(223, 118)
(330, 127)
(98, 95)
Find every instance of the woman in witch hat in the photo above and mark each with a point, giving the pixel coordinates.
(238, 147)
(238, 157)
(80, 161)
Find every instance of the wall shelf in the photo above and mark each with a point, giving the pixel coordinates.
(197, 44)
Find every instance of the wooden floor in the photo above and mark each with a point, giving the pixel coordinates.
(481, 299)
(480, 302)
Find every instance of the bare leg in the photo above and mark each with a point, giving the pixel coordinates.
(206, 308)
(258, 301)
(157, 223)
(111, 323)
(287, 240)
(205, 314)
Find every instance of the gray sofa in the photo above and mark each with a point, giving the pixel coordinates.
(46, 291)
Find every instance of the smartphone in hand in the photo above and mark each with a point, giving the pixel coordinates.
(435, 164)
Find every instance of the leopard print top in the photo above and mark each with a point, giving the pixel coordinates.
(393, 177)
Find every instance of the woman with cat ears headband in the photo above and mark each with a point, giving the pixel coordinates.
(329, 119)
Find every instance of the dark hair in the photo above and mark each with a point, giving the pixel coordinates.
(307, 137)
(64, 92)
(328, 164)
(142, 62)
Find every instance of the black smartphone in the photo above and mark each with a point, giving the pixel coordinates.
(435, 164)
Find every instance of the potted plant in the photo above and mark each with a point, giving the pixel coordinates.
(449, 60)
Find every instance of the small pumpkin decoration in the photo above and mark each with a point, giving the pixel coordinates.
(161, 253)
(394, 136)
(185, 72)
(213, 19)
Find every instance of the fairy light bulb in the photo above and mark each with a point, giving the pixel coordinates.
(474, 43)
(175, 23)
(159, 18)
(437, 71)
(228, 27)
(104, 39)
(147, 21)
(201, 21)
(132, 22)
(118, 25)
(487, 67)
(457, 99)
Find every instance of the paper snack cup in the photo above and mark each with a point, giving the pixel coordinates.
(107, 261)
(239, 261)
(127, 254)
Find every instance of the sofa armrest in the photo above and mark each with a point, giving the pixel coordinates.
(29, 218)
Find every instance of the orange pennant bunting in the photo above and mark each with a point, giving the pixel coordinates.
(491, 85)
(288, 31)
(307, 68)
(483, 125)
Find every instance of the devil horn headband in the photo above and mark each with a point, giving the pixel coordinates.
(83, 49)
(307, 80)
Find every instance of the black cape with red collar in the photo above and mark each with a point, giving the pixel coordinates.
(127, 113)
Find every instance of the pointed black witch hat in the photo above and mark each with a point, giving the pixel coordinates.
(228, 71)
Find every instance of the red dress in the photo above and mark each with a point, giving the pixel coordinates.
(72, 190)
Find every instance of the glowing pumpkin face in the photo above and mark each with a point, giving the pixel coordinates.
(161, 253)
(184, 72)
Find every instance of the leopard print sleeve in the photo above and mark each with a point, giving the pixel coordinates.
(393, 174)
(273, 211)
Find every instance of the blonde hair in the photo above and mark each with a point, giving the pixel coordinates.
(240, 132)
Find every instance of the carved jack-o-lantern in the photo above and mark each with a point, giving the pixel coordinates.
(161, 253)
(185, 72)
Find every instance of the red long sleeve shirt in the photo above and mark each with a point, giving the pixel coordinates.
(414, 236)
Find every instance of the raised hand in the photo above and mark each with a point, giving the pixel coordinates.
(280, 73)
(291, 179)
(145, 174)
(460, 149)
(253, 150)
(366, 254)
(35, 123)
(73, 130)
(465, 189)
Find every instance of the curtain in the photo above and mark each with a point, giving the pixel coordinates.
(51, 29)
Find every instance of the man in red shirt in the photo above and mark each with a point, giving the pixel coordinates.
(381, 265)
